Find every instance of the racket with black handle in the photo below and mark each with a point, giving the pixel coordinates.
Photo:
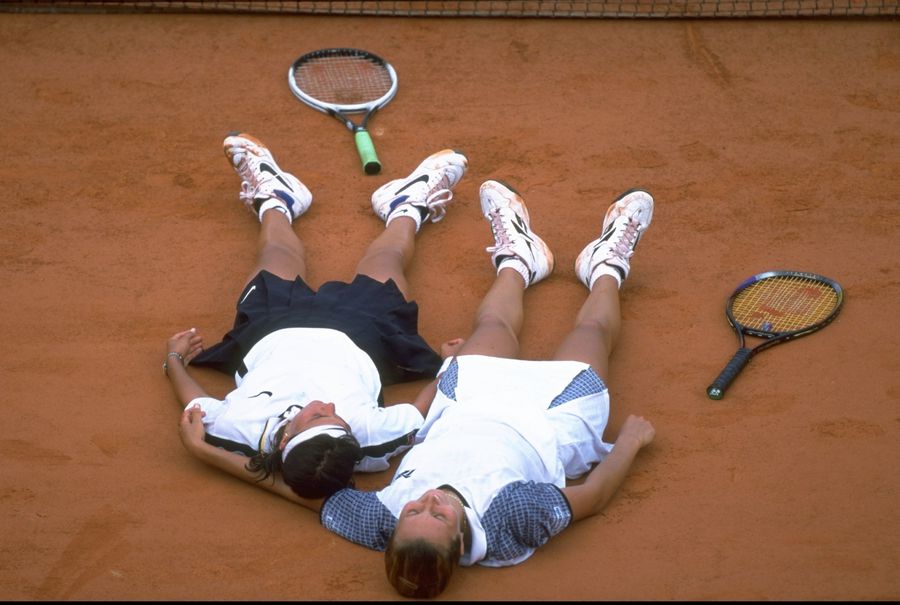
(342, 82)
(776, 306)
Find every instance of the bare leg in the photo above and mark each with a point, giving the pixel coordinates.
(602, 266)
(596, 328)
(521, 258)
(498, 320)
(279, 250)
(389, 255)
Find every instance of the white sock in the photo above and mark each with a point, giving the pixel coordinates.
(515, 263)
(407, 210)
(604, 269)
(276, 204)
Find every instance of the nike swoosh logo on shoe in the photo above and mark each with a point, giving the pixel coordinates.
(421, 179)
(263, 167)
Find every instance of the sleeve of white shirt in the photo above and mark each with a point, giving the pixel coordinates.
(389, 431)
(213, 407)
(445, 365)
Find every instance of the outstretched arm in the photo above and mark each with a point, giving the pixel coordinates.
(604, 479)
(192, 436)
(187, 345)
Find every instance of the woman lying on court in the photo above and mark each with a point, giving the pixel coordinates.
(309, 366)
(486, 481)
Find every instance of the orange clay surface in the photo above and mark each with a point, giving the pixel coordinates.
(767, 144)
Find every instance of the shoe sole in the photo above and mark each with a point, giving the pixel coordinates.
(248, 137)
(548, 254)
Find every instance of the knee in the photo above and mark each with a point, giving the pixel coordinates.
(494, 321)
(602, 327)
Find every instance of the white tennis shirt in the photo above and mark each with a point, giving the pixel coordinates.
(291, 367)
(505, 433)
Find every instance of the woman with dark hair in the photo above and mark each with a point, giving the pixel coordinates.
(309, 366)
(486, 481)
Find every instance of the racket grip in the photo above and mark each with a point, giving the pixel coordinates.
(367, 154)
(717, 389)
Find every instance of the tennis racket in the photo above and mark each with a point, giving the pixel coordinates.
(344, 81)
(776, 306)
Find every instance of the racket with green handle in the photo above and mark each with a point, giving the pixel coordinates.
(342, 82)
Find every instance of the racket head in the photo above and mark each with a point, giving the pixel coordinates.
(778, 305)
(346, 80)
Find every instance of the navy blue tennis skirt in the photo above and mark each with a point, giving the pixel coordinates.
(374, 315)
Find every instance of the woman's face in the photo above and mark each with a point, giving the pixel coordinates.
(316, 413)
(434, 517)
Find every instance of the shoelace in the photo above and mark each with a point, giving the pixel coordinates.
(245, 170)
(437, 199)
(247, 192)
(623, 244)
(500, 228)
(435, 203)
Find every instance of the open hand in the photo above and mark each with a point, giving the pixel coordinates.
(188, 344)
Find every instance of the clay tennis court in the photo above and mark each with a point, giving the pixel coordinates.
(768, 143)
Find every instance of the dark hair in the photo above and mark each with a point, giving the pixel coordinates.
(267, 463)
(322, 465)
(419, 569)
(315, 468)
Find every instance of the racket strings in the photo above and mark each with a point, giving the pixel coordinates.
(784, 304)
(343, 80)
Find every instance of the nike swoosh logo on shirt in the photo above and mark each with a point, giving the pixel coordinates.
(252, 288)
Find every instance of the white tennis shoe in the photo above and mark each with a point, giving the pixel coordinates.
(264, 184)
(515, 244)
(624, 224)
(425, 192)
